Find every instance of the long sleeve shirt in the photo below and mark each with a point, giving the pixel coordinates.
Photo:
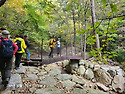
(27, 43)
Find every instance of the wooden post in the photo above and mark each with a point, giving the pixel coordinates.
(66, 49)
(42, 50)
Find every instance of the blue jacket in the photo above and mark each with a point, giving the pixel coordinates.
(27, 43)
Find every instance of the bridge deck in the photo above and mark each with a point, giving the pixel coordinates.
(38, 61)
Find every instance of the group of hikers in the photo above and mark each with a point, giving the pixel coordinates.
(9, 48)
(17, 46)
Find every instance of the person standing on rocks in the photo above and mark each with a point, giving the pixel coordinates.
(52, 44)
(58, 46)
(7, 49)
(21, 49)
(27, 50)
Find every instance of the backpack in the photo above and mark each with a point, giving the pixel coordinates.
(6, 50)
(52, 42)
(18, 43)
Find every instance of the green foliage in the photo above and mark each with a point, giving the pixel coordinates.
(123, 63)
(104, 1)
(96, 54)
(114, 7)
(91, 39)
(120, 55)
(40, 19)
(112, 47)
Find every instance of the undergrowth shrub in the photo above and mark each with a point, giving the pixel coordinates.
(120, 55)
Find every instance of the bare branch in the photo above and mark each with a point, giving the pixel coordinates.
(112, 17)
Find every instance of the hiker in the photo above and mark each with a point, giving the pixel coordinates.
(27, 50)
(52, 44)
(21, 49)
(58, 46)
(7, 49)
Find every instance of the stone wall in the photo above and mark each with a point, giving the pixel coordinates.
(108, 78)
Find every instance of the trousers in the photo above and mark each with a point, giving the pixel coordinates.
(5, 67)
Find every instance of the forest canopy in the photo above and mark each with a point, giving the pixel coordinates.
(97, 27)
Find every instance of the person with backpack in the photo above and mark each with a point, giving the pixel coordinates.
(27, 50)
(19, 41)
(52, 44)
(7, 49)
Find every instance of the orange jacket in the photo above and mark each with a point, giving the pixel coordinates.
(52, 42)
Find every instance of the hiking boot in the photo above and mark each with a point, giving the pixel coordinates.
(16, 68)
(28, 60)
(5, 82)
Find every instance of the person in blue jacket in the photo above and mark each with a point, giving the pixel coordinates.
(27, 50)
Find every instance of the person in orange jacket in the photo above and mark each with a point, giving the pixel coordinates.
(52, 45)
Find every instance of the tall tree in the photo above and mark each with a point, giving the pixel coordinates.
(93, 22)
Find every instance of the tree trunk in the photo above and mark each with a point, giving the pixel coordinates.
(81, 35)
(85, 39)
(2, 2)
(93, 22)
(74, 22)
(85, 12)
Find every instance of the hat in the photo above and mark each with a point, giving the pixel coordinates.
(5, 34)
(2, 28)
(25, 36)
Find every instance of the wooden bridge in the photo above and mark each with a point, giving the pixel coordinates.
(46, 60)
(39, 61)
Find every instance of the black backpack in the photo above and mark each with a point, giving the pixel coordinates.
(6, 49)
(18, 43)
(50, 43)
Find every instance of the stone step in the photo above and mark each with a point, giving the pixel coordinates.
(15, 83)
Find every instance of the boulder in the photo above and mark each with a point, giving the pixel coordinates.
(91, 65)
(81, 62)
(89, 74)
(65, 63)
(78, 80)
(72, 67)
(120, 72)
(96, 67)
(112, 73)
(103, 77)
(118, 83)
(103, 87)
(81, 70)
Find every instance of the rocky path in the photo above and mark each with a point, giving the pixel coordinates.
(48, 79)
